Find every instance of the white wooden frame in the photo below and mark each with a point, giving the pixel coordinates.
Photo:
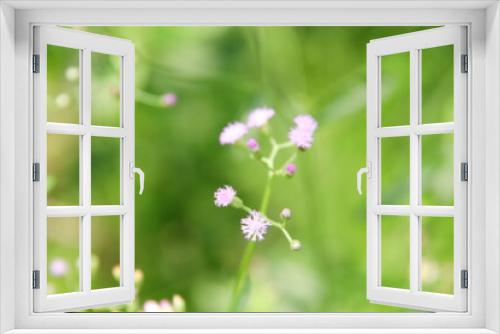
(413, 43)
(85, 43)
(16, 19)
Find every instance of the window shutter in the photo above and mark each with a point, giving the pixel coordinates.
(410, 211)
(84, 212)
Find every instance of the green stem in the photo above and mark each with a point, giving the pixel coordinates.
(248, 253)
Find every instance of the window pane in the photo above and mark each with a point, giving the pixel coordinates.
(63, 242)
(395, 170)
(437, 254)
(105, 251)
(395, 89)
(437, 84)
(395, 234)
(63, 84)
(437, 169)
(106, 89)
(105, 170)
(63, 170)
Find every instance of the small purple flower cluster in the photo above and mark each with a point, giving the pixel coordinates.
(255, 225)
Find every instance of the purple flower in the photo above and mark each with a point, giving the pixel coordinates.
(259, 117)
(302, 135)
(224, 196)
(253, 144)
(305, 122)
(232, 133)
(290, 169)
(58, 267)
(301, 138)
(169, 99)
(254, 226)
(286, 213)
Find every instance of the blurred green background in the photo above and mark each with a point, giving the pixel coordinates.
(191, 82)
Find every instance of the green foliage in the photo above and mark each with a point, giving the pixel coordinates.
(187, 246)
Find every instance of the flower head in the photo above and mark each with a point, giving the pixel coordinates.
(259, 117)
(169, 99)
(254, 226)
(224, 196)
(232, 133)
(305, 122)
(253, 144)
(286, 213)
(59, 267)
(290, 169)
(301, 138)
(295, 245)
(302, 135)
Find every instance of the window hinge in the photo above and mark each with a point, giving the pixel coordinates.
(36, 63)
(464, 279)
(465, 64)
(36, 279)
(464, 171)
(36, 172)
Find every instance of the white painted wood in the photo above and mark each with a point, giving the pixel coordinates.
(86, 297)
(414, 43)
(419, 129)
(80, 129)
(7, 168)
(114, 14)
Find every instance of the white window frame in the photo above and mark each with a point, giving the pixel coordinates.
(413, 44)
(85, 44)
(16, 217)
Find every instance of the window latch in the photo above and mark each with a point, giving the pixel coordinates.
(365, 170)
(134, 170)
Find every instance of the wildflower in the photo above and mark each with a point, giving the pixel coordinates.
(259, 117)
(301, 138)
(285, 214)
(58, 267)
(253, 144)
(254, 226)
(232, 133)
(178, 303)
(62, 100)
(290, 169)
(305, 122)
(169, 99)
(295, 245)
(302, 135)
(224, 196)
(153, 306)
(72, 73)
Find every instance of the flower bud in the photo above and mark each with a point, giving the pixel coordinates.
(169, 99)
(290, 169)
(253, 145)
(285, 214)
(295, 245)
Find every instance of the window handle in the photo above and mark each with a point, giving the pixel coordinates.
(365, 170)
(134, 170)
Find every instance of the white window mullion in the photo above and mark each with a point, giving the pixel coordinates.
(85, 174)
(414, 170)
